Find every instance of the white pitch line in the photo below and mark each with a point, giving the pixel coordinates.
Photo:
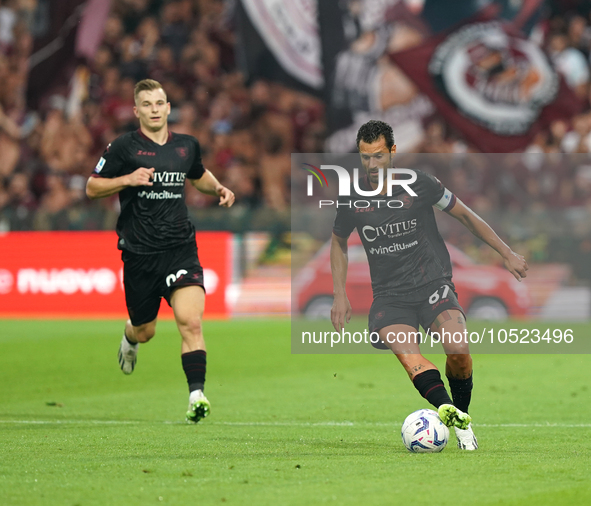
(393, 424)
(63, 422)
(282, 424)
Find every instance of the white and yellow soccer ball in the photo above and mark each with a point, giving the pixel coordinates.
(424, 432)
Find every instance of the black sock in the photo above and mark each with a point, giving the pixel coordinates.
(127, 339)
(461, 391)
(194, 365)
(431, 387)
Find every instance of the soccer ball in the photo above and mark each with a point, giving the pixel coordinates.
(424, 432)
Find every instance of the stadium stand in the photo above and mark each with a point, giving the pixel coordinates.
(47, 153)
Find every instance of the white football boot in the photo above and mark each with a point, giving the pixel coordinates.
(454, 417)
(199, 406)
(127, 355)
(466, 438)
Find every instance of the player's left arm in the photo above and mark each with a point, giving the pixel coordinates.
(209, 185)
(514, 262)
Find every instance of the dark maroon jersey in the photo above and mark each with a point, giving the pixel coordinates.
(399, 234)
(153, 218)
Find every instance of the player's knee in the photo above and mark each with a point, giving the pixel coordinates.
(460, 361)
(193, 325)
(144, 334)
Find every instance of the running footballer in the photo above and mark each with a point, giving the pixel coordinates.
(412, 282)
(148, 169)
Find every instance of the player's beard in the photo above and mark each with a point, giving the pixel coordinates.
(374, 178)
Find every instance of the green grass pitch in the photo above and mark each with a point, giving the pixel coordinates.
(284, 429)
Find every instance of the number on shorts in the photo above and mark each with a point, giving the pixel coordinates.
(435, 295)
(171, 278)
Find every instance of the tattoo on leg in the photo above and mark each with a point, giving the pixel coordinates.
(461, 375)
(460, 320)
(442, 318)
(416, 368)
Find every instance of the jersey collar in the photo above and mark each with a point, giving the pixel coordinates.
(142, 134)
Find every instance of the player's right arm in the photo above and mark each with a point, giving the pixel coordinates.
(99, 187)
(111, 174)
(339, 261)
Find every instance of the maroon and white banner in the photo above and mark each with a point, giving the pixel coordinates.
(91, 30)
(384, 60)
(279, 41)
(361, 82)
(494, 86)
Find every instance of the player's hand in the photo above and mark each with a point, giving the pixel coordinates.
(142, 177)
(516, 265)
(226, 197)
(340, 312)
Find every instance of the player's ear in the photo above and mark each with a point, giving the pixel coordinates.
(135, 112)
(393, 150)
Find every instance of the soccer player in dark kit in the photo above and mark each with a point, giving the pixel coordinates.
(148, 168)
(411, 275)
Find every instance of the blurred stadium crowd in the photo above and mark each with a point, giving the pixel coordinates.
(246, 131)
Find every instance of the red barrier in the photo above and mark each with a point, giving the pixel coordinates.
(80, 274)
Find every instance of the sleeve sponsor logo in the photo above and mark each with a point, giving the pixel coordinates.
(100, 165)
(444, 201)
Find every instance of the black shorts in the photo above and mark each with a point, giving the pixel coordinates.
(419, 309)
(148, 278)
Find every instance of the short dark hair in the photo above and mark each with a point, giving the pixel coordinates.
(372, 131)
(146, 85)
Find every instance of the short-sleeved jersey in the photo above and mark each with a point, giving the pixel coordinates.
(399, 233)
(153, 218)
